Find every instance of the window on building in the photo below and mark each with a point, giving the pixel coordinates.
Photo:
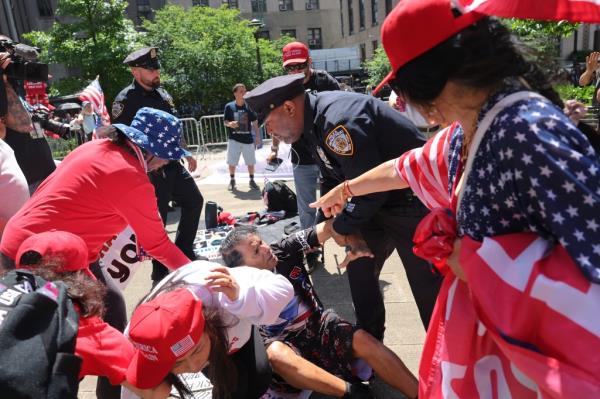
(289, 32)
(314, 38)
(45, 8)
(144, 10)
(263, 34)
(361, 14)
(342, 17)
(363, 53)
(259, 6)
(286, 5)
(203, 3)
(374, 12)
(374, 45)
(312, 5)
(350, 18)
(231, 3)
(388, 6)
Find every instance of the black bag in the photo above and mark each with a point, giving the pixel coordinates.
(38, 329)
(277, 196)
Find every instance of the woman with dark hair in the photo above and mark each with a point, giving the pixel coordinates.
(203, 317)
(517, 188)
(104, 351)
(99, 189)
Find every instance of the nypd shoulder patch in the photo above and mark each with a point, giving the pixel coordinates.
(339, 141)
(117, 109)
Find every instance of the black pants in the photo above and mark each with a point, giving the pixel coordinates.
(253, 368)
(391, 228)
(115, 316)
(173, 182)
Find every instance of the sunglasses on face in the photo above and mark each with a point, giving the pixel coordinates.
(296, 67)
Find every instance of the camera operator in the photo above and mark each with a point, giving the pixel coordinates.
(29, 145)
(13, 186)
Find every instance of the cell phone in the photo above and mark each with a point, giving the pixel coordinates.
(273, 165)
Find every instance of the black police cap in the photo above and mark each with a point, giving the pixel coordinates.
(273, 92)
(146, 57)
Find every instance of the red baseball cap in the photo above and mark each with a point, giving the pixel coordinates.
(416, 26)
(162, 331)
(294, 53)
(67, 248)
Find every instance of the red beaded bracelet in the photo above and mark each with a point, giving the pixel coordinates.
(347, 192)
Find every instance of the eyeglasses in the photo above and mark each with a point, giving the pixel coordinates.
(296, 67)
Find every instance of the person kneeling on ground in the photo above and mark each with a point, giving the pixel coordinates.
(60, 255)
(203, 316)
(309, 347)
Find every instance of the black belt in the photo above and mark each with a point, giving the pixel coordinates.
(429, 129)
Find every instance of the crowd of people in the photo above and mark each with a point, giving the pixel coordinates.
(476, 173)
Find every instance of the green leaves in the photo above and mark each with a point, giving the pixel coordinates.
(205, 51)
(90, 38)
(377, 67)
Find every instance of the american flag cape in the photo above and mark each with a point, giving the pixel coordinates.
(527, 324)
(94, 94)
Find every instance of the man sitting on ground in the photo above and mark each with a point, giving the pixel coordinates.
(313, 348)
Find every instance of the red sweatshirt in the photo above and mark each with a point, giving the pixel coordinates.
(105, 351)
(96, 191)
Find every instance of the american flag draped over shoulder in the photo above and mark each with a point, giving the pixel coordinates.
(528, 313)
(94, 94)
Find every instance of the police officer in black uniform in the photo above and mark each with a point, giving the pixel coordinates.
(172, 182)
(296, 60)
(352, 133)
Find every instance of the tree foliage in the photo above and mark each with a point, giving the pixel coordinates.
(377, 67)
(542, 42)
(205, 51)
(90, 38)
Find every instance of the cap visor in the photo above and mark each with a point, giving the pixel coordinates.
(145, 374)
(294, 61)
(385, 81)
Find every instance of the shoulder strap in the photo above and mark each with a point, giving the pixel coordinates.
(484, 126)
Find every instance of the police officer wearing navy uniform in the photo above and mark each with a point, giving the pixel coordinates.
(352, 133)
(173, 181)
(296, 59)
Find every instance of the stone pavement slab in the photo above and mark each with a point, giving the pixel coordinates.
(404, 334)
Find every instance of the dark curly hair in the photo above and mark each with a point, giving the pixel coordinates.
(86, 293)
(231, 256)
(480, 56)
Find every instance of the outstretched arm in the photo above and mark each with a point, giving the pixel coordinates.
(381, 178)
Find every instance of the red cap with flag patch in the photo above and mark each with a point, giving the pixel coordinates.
(163, 331)
(416, 26)
(66, 248)
(294, 53)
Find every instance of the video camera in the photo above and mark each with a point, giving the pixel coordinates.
(24, 65)
(41, 120)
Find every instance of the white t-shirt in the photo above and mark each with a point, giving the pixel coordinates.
(13, 185)
(263, 295)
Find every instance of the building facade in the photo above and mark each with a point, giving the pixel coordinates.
(22, 16)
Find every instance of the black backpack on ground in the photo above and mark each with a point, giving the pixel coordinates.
(38, 329)
(277, 196)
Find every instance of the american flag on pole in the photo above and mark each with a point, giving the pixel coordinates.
(94, 94)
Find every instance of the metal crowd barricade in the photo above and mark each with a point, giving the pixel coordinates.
(208, 135)
(192, 136)
(213, 130)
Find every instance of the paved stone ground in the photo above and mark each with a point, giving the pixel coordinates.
(404, 335)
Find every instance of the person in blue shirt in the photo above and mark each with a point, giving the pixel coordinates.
(239, 121)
